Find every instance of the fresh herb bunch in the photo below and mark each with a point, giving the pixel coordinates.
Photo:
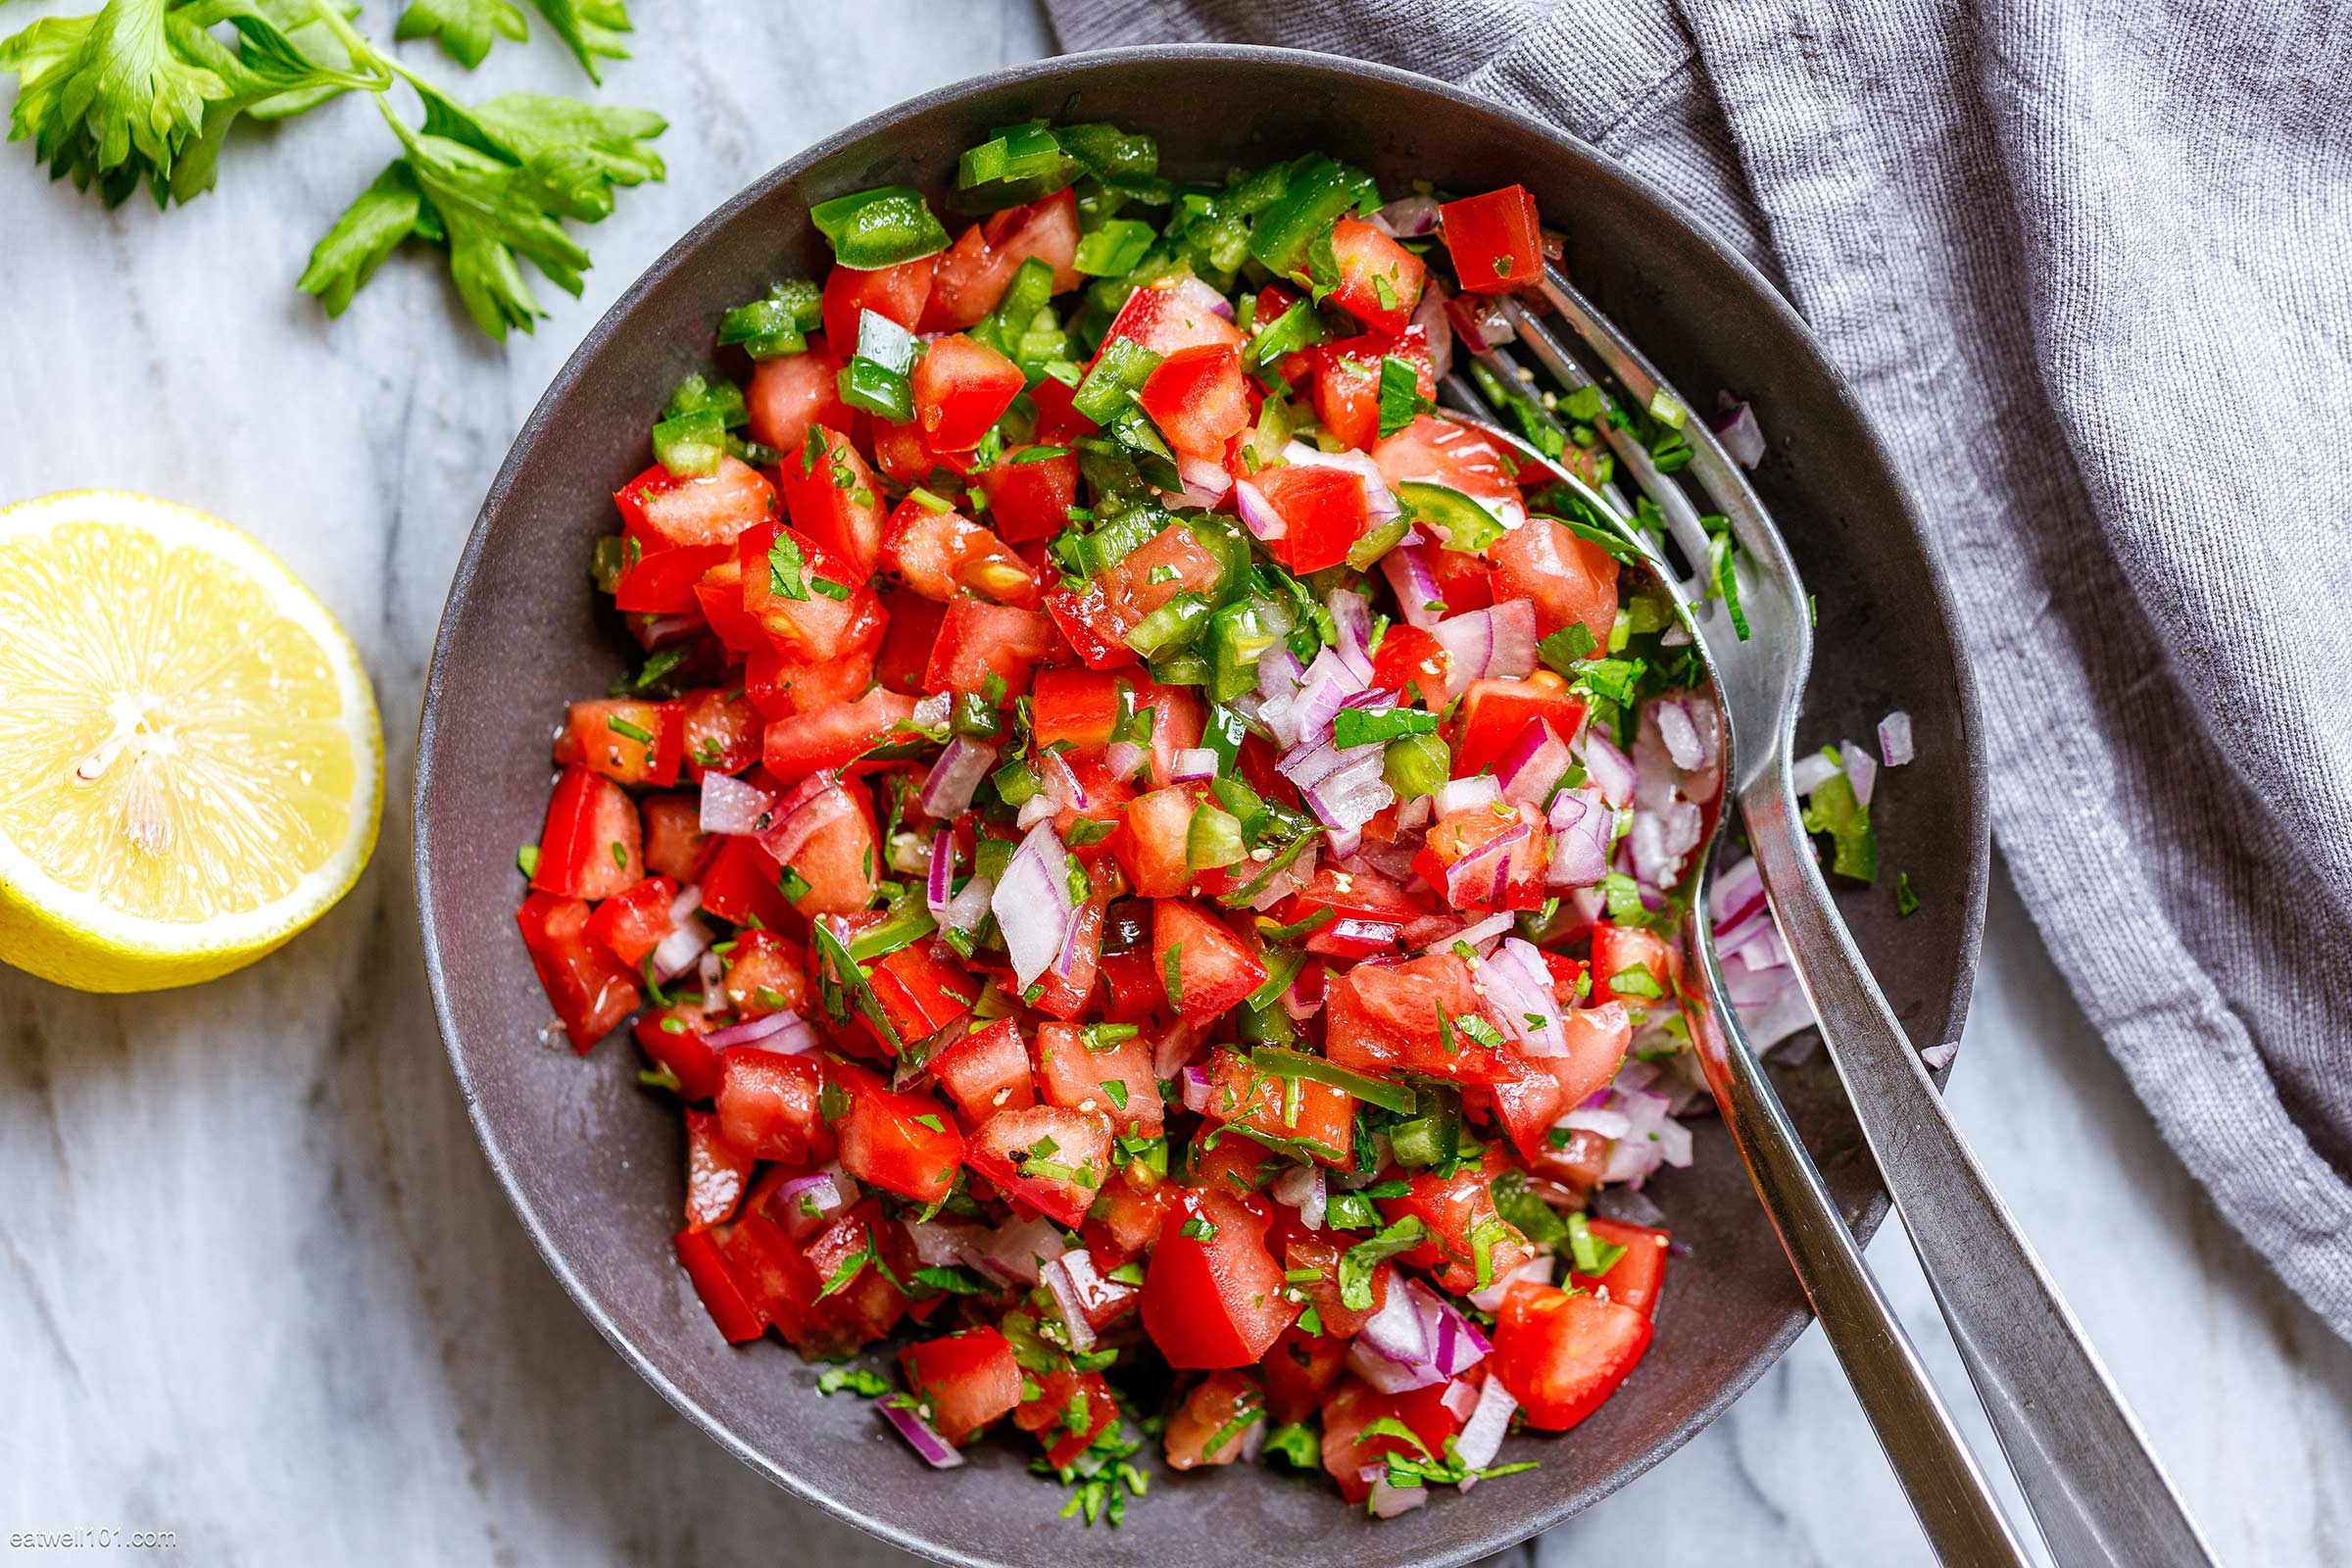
(144, 92)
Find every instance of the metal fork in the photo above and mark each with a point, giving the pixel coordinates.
(2079, 1456)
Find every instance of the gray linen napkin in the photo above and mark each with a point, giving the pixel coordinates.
(2090, 267)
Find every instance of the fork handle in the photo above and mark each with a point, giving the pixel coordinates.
(2079, 1457)
(1956, 1508)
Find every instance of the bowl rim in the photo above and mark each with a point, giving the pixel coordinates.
(1510, 1528)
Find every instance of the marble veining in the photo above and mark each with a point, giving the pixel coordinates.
(256, 1285)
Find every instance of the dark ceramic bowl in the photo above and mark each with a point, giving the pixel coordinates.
(592, 1163)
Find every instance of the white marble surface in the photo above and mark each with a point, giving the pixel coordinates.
(256, 1285)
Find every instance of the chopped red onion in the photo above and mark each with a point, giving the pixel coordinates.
(1455, 1344)
(967, 908)
(1207, 482)
(1481, 1438)
(1125, 759)
(688, 939)
(1416, 586)
(1196, 1090)
(804, 1204)
(1302, 1188)
(1582, 826)
(1496, 641)
(1533, 764)
(1351, 617)
(1018, 1250)
(1459, 795)
(1388, 1501)
(1679, 733)
(783, 1032)
(1808, 773)
(939, 885)
(1479, 879)
(1346, 840)
(1518, 983)
(1032, 903)
(1536, 1269)
(1057, 783)
(1895, 738)
(1738, 893)
(1460, 1399)
(1430, 316)
(1413, 816)
(1938, 1057)
(1602, 1123)
(815, 802)
(1480, 932)
(946, 792)
(1068, 1303)
(1258, 512)
(1407, 218)
(657, 632)
(1192, 764)
(731, 805)
(1610, 770)
(1481, 323)
(1741, 437)
(1201, 296)
(1861, 770)
(931, 712)
(936, 1451)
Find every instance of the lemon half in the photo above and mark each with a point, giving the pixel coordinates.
(191, 768)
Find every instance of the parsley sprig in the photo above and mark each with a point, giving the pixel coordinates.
(145, 92)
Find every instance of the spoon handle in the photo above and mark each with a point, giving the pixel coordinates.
(1956, 1508)
(2085, 1466)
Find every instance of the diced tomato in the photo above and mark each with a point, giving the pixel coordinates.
(859, 1300)
(673, 836)
(1495, 710)
(839, 862)
(1380, 280)
(1213, 1297)
(1029, 496)
(627, 740)
(1363, 896)
(1635, 1278)
(977, 639)
(661, 582)
(1097, 620)
(661, 512)
(1561, 1355)
(1547, 1088)
(905, 653)
(810, 600)
(1130, 1217)
(1325, 1116)
(1212, 1412)
(987, 1072)
(964, 1381)
(1059, 420)
(1351, 1408)
(1165, 317)
(833, 498)
(1195, 396)
(1318, 1253)
(795, 391)
(970, 277)
(715, 1281)
(718, 1170)
(765, 973)
(939, 552)
(780, 684)
(962, 387)
(1503, 850)
(1298, 1371)
(920, 991)
(1151, 850)
(1053, 1159)
(834, 737)
(1566, 578)
(740, 885)
(1077, 706)
(898, 293)
(1210, 967)
(718, 732)
(1383, 1019)
(1323, 512)
(591, 847)
(1079, 1077)
(902, 1143)
(767, 1104)
(672, 1037)
(1494, 240)
(1459, 456)
(1619, 948)
(1070, 1411)
(1459, 1211)
(586, 985)
(1347, 381)
(632, 924)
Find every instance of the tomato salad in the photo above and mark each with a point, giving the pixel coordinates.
(1145, 855)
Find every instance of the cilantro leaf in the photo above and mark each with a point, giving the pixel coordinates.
(466, 29)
